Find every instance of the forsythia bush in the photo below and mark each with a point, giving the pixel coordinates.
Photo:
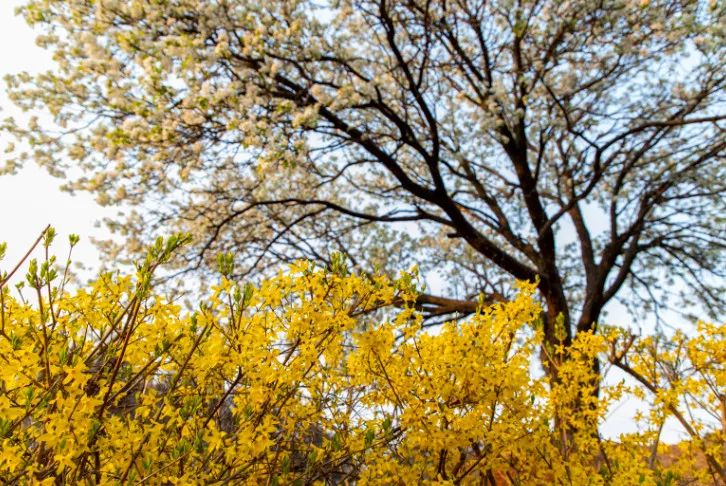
(313, 378)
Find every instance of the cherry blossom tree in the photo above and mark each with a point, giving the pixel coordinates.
(578, 144)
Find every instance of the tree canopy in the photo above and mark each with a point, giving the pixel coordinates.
(577, 144)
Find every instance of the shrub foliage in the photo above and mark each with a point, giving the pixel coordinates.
(323, 376)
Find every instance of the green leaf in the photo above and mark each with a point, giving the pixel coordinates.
(336, 442)
(225, 264)
(370, 437)
(339, 264)
(387, 425)
(49, 236)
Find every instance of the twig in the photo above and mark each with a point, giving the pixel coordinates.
(25, 257)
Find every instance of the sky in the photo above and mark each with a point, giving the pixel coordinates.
(32, 199)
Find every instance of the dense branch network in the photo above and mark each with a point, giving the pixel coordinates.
(577, 144)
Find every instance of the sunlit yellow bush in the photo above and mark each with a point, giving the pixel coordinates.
(315, 378)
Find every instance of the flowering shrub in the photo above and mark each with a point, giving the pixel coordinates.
(314, 378)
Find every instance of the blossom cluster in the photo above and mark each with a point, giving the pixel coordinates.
(321, 376)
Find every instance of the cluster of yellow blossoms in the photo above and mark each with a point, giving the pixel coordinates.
(314, 378)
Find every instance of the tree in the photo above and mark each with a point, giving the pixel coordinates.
(577, 144)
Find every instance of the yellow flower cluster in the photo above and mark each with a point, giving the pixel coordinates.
(315, 378)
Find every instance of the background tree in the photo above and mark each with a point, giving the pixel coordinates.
(578, 143)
